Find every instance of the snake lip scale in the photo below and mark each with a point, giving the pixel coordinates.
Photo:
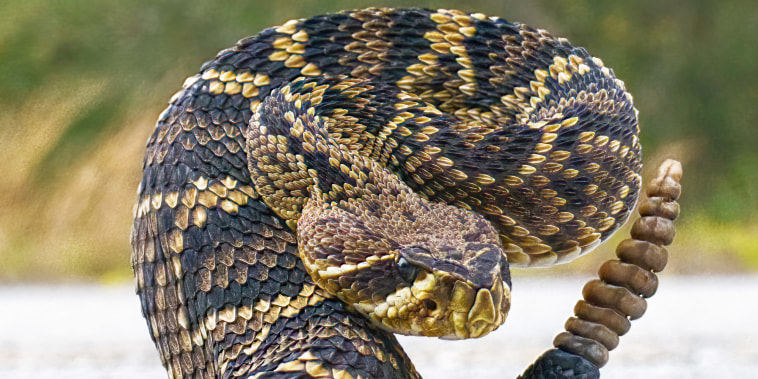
(333, 180)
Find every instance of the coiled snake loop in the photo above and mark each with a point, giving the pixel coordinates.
(337, 178)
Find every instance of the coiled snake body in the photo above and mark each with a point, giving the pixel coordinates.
(335, 179)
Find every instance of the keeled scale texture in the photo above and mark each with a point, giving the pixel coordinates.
(545, 148)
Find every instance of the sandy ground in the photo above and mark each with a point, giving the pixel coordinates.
(695, 327)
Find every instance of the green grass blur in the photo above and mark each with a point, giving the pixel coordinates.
(82, 81)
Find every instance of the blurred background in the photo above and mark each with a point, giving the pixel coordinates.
(83, 81)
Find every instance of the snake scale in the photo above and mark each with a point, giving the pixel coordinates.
(335, 179)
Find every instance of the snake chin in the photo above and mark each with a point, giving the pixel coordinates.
(442, 305)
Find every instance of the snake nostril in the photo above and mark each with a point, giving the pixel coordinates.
(430, 304)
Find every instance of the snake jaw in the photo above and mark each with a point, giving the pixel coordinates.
(422, 310)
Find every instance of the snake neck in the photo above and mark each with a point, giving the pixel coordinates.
(293, 158)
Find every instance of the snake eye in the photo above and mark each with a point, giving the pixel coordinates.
(408, 271)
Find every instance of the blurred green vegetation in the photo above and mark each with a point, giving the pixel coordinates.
(82, 81)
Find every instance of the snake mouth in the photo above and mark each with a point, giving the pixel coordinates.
(436, 305)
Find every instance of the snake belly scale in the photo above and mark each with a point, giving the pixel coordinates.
(335, 179)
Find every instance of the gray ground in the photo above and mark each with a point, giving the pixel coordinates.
(695, 327)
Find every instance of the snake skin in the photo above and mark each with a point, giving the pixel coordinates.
(500, 120)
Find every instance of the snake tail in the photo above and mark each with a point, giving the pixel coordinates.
(618, 296)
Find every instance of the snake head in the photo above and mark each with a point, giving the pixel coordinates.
(471, 282)
(411, 266)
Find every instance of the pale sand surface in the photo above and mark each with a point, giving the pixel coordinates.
(695, 327)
